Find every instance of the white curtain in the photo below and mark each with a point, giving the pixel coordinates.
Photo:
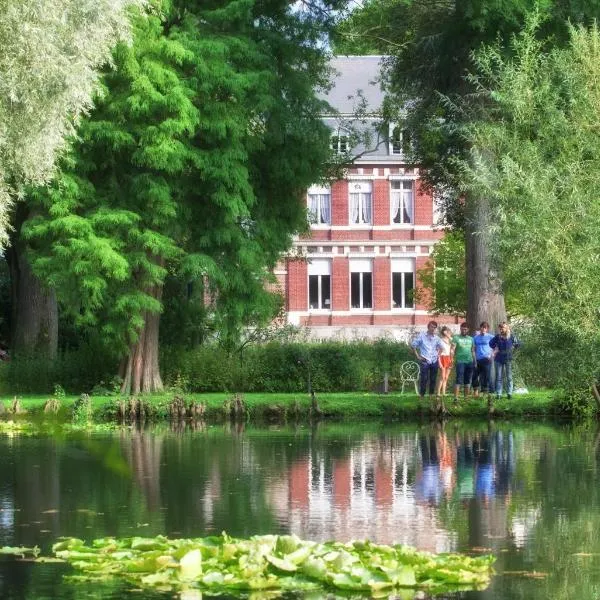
(408, 204)
(366, 208)
(313, 207)
(354, 208)
(325, 208)
(396, 207)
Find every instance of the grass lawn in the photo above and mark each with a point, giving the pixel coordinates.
(350, 405)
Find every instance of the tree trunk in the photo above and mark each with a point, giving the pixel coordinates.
(140, 370)
(34, 320)
(485, 301)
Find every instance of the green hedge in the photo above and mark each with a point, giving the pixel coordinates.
(272, 367)
(284, 367)
(76, 371)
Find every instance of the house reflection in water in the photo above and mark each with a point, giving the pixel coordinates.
(391, 489)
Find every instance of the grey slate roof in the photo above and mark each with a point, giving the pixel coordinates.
(353, 77)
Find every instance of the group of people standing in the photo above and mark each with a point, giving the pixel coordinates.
(473, 357)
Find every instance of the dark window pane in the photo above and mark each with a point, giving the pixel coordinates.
(367, 290)
(325, 291)
(409, 290)
(313, 291)
(355, 290)
(397, 290)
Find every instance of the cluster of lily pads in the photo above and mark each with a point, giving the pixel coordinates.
(283, 563)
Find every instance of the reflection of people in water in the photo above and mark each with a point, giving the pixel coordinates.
(505, 462)
(465, 467)
(428, 488)
(437, 476)
(446, 464)
(485, 476)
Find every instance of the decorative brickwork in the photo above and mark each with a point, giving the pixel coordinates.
(422, 294)
(381, 202)
(381, 283)
(340, 271)
(339, 203)
(297, 285)
(423, 205)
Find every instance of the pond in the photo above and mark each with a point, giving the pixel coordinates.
(530, 494)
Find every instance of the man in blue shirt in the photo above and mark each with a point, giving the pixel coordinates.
(426, 348)
(503, 345)
(482, 379)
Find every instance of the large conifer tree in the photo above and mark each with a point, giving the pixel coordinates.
(194, 161)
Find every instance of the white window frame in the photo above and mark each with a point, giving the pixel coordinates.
(402, 193)
(402, 266)
(319, 191)
(318, 268)
(340, 142)
(361, 266)
(364, 190)
(396, 143)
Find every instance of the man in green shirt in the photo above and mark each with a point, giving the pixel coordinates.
(463, 349)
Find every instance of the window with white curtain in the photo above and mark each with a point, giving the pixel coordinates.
(319, 205)
(361, 283)
(360, 202)
(402, 200)
(403, 282)
(319, 284)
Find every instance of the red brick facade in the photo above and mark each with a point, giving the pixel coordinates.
(381, 247)
(340, 292)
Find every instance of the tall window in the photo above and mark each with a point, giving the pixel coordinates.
(319, 284)
(360, 202)
(319, 205)
(403, 283)
(401, 196)
(361, 283)
(399, 140)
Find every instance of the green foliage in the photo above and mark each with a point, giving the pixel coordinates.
(191, 166)
(224, 564)
(284, 367)
(537, 157)
(443, 277)
(50, 55)
(82, 410)
(431, 45)
(74, 370)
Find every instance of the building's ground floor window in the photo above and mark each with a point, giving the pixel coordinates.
(361, 283)
(403, 282)
(403, 290)
(319, 284)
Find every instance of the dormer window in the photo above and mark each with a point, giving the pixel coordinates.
(339, 144)
(400, 140)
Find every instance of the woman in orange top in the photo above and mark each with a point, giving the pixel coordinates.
(445, 360)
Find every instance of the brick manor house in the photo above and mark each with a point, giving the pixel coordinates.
(355, 274)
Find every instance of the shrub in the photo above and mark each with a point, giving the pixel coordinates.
(284, 367)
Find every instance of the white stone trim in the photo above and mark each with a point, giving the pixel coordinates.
(360, 312)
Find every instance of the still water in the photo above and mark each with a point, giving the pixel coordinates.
(530, 494)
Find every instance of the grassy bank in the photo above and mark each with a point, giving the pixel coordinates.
(298, 406)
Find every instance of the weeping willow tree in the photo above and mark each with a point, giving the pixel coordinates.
(536, 155)
(50, 55)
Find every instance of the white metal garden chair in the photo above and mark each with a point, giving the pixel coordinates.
(409, 373)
